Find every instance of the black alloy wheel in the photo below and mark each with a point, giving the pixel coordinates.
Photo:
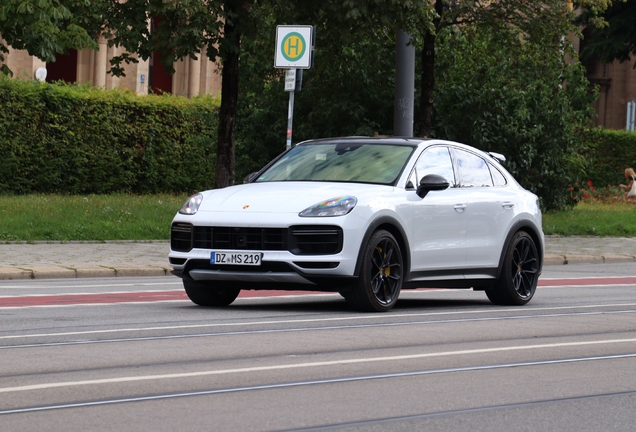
(520, 273)
(380, 281)
(210, 293)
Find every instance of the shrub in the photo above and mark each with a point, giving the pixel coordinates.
(69, 139)
(499, 92)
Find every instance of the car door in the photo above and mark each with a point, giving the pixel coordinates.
(489, 210)
(439, 223)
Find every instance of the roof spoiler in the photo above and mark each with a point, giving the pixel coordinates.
(498, 156)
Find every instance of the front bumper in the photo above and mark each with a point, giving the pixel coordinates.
(305, 256)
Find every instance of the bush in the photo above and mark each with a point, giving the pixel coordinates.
(349, 91)
(501, 93)
(69, 139)
(607, 154)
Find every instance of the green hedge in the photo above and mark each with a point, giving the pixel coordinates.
(68, 139)
(608, 153)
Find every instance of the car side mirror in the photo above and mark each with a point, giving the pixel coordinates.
(431, 182)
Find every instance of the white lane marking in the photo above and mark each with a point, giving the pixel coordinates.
(406, 292)
(127, 303)
(178, 282)
(308, 365)
(88, 286)
(303, 329)
(88, 293)
(334, 381)
(586, 286)
(308, 320)
(185, 300)
(403, 295)
(585, 277)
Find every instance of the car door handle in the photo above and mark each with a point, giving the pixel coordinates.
(460, 207)
(507, 205)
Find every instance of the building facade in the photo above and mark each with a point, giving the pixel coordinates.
(617, 87)
(191, 77)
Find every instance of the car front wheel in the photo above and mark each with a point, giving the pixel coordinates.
(381, 273)
(210, 294)
(519, 275)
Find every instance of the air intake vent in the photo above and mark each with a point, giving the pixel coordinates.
(181, 237)
(315, 240)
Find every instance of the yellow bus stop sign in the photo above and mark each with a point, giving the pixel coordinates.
(294, 47)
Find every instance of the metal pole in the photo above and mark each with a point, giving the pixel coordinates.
(290, 119)
(631, 113)
(404, 86)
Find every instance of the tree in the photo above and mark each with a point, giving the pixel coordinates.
(350, 89)
(188, 28)
(517, 97)
(44, 28)
(191, 28)
(532, 19)
(612, 32)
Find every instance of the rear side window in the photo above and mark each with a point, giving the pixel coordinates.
(497, 177)
(473, 170)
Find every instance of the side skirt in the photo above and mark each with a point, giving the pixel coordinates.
(478, 279)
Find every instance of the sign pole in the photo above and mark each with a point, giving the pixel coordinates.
(295, 52)
(290, 119)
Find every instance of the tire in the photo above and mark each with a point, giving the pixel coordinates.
(519, 274)
(210, 294)
(381, 273)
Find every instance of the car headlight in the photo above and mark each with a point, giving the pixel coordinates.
(192, 205)
(339, 206)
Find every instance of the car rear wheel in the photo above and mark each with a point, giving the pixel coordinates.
(519, 275)
(381, 274)
(211, 293)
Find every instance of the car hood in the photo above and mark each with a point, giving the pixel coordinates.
(281, 197)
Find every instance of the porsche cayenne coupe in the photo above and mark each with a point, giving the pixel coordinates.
(365, 217)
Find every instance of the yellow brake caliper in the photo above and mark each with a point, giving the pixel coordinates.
(386, 270)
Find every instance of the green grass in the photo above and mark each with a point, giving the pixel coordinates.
(597, 218)
(87, 217)
(28, 218)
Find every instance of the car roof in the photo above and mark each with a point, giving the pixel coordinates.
(359, 139)
(405, 141)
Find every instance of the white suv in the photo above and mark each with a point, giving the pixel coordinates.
(365, 217)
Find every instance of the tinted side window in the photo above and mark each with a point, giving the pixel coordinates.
(435, 160)
(497, 177)
(473, 170)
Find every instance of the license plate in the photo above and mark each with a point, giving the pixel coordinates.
(236, 258)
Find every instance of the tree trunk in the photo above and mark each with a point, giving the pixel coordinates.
(226, 139)
(428, 74)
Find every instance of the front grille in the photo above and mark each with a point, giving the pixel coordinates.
(219, 238)
(299, 240)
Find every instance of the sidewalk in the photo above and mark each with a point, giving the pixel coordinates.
(78, 259)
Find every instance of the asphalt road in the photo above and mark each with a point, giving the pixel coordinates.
(132, 354)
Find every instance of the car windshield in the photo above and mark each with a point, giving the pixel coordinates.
(340, 162)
